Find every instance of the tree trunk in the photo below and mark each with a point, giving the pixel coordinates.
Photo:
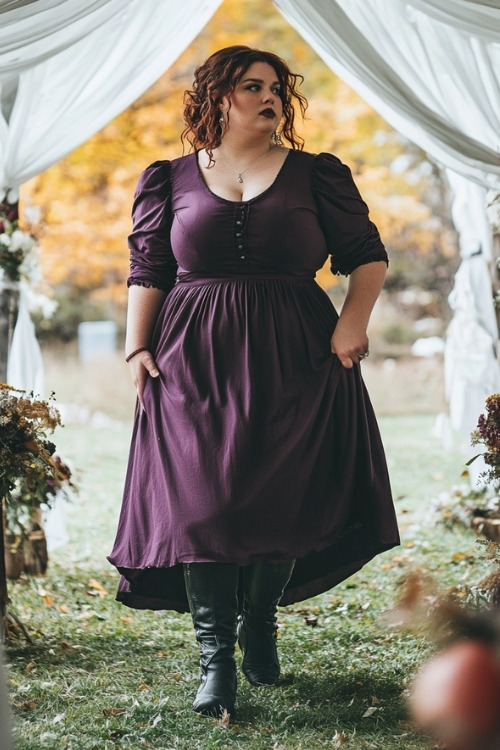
(4, 594)
(495, 274)
(9, 306)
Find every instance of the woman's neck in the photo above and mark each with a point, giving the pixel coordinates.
(240, 150)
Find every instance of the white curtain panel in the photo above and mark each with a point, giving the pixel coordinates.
(475, 17)
(35, 31)
(69, 67)
(418, 63)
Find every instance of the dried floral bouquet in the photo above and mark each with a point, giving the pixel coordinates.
(487, 433)
(30, 473)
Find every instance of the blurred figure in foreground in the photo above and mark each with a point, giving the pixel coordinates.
(455, 696)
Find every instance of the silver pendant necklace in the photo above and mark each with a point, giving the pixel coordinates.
(239, 175)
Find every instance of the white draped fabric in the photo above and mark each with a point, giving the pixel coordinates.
(471, 367)
(429, 67)
(25, 363)
(68, 67)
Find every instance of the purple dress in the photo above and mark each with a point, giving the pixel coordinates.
(255, 443)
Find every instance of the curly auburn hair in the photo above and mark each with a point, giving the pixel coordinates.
(217, 77)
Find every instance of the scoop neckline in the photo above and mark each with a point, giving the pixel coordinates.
(239, 203)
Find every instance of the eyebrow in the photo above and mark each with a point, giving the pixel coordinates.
(259, 80)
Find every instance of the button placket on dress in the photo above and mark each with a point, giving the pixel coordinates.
(240, 221)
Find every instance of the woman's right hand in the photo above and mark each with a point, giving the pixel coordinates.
(142, 366)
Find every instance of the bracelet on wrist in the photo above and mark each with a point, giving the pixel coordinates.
(136, 351)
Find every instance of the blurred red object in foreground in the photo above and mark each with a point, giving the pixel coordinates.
(455, 697)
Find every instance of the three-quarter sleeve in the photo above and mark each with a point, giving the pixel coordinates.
(351, 236)
(152, 262)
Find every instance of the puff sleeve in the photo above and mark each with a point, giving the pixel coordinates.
(152, 262)
(352, 238)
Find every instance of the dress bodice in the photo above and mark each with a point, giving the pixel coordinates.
(312, 209)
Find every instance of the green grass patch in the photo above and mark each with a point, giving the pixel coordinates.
(101, 676)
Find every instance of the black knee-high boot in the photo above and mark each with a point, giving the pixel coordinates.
(212, 594)
(263, 585)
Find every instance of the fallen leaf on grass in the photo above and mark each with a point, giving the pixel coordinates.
(143, 686)
(63, 609)
(370, 711)
(114, 711)
(46, 596)
(311, 620)
(339, 739)
(96, 585)
(96, 588)
(29, 705)
(57, 719)
(67, 646)
(87, 615)
(30, 666)
(176, 676)
(458, 556)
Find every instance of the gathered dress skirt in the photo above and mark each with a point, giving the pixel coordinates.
(255, 443)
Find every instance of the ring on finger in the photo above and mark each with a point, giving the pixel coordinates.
(364, 354)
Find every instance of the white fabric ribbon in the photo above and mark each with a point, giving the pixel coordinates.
(25, 364)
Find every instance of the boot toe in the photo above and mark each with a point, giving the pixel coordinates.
(212, 707)
(217, 691)
(259, 675)
(260, 663)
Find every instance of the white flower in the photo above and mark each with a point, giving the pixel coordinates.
(46, 306)
(5, 240)
(22, 241)
(33, 214)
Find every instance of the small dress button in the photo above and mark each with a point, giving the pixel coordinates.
(239, 223)
(238, 234)
(243, 257)
(240, 247)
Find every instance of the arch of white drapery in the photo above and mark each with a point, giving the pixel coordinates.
(430, 67)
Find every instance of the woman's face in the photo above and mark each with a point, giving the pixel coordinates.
(255, 103)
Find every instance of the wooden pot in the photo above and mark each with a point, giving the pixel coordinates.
(14, 556)
(487, 527)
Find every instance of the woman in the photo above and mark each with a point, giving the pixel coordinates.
(256, 473)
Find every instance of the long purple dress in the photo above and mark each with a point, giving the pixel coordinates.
(255, 443)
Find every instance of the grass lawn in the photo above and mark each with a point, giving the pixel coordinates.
(101, 676)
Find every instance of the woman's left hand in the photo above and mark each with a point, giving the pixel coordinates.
(349, 342)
